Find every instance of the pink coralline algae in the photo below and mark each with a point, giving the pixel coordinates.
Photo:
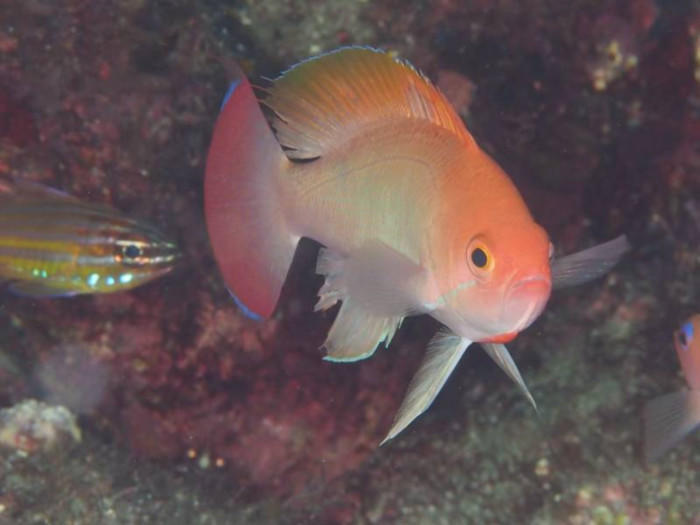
(254, 399)
(16, 120)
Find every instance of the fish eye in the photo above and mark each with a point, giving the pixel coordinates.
(479, 257)
(131, 251)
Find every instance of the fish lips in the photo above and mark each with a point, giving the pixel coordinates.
(524, 301)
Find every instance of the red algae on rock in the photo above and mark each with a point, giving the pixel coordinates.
(16, 120)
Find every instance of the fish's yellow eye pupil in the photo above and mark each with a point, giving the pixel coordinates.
(479, 258)
(132, 251)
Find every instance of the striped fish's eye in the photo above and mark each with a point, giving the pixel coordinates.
(131, 251)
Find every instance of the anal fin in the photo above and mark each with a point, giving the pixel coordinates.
(39, 290)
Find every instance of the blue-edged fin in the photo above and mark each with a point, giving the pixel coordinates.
(246, 311)
(252, 243)
(500, 354)
(444, 352)
(668, 419)
(589, 264)
(355, 334)
(375, 284)
(326, 100)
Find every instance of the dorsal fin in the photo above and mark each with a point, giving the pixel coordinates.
(326, 99)
(20, 190)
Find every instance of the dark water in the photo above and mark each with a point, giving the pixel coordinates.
(188, 412)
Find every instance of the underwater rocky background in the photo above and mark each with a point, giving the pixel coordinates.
(184, 411)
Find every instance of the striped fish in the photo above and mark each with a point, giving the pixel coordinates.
(52, 244)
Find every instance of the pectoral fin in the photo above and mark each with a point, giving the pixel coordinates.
(589, 264)
(374, 284)
(443, 354)
(500, 354)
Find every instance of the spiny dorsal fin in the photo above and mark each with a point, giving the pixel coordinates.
(323, 100)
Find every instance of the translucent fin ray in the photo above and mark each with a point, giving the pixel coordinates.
(589, 264)
(444, 352)
(500, 354)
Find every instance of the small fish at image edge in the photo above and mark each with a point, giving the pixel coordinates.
(671, 417)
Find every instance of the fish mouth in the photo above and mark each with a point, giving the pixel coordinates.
(164, 253)
(525, 301)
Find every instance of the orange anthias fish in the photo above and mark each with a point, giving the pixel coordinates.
(671, 417)
(369, 159)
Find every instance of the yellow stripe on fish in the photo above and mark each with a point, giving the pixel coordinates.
(52, 244)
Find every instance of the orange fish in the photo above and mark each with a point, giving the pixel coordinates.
(671, 417)
(369, 159)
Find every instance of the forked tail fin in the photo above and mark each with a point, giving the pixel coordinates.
(245, 219)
